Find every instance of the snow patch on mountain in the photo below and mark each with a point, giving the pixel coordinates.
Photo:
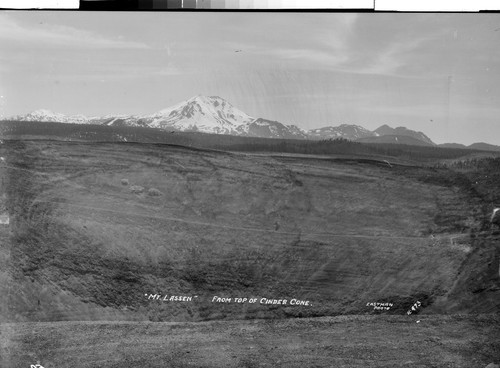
(44, 115)
(213, 114)
(347, 131)
(385, 130)
(208, 114)
(273, 129)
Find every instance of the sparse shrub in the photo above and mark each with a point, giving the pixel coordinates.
(153, 192)
(124, 181)
(137, 189)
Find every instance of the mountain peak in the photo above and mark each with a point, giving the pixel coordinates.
(386, 130)
(347, 131)
(44, 115)
(214, 114)
(43, 111)
(210, 114)
(48, 116)
(206, 99)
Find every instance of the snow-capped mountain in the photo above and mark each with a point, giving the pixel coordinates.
(44, 115)
(347, 131)
(213, 114)
(207, 114)
(121, 120)
(273, 129)
(402, 131)
(204, 114)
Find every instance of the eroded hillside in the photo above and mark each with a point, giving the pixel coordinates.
(96, 228)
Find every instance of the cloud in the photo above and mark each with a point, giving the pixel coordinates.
(344, 45)
(385, 62)
(395, 56)
(338, 33)
(319, 46)
(311, 57)
(47, 36)
(109, 72)
(347, 45)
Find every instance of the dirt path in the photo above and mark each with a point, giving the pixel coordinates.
(347, 341)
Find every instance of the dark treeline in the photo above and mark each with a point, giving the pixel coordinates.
(104, 133)
(344, 146)
(254, 144)
(481, 163)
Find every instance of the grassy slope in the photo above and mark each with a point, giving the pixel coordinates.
(338, 233)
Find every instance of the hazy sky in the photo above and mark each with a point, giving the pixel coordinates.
(438, 73)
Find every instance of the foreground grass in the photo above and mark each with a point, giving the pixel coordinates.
(347, 341)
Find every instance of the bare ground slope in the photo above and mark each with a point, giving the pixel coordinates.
(94, 228)
(347, 341)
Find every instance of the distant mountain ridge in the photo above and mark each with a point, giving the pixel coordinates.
(484, 146)
(206, 114)
(213, 114)
(347, 131)
(402, 131)
(44, 115)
